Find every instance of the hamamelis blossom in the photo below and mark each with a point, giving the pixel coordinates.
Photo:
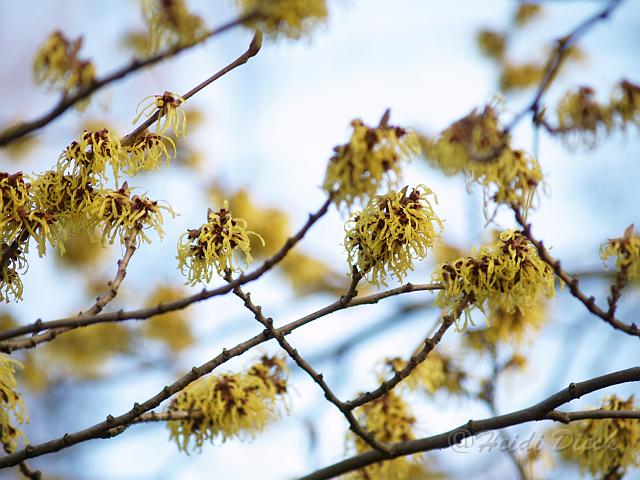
(606, 448)
(67, 197)
(291, 18)
(90, 155)
(389, 420)
(626, 251)
(148, 152)
(171, 114)
(370, 160)
(507, 327)
(391, 232)
(211, 248)
(57, 65)
(117, 213)
(14, 266)
(625, 102)
(170, 24)
(14, 201)
(12, 409)
(580, 112)
(437, 372)
(229, 405)
(507, 275)
(477, 146)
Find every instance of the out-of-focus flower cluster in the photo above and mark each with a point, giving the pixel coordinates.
(389, 419)
(477, 146)
(606, 448)
(289, 18)
(507, 275)
(229, 405)
(58, 66)
(12, 409)
(580, 114)
(371, 159)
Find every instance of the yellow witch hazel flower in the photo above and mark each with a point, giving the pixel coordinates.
(626, 251)
(605, 448)
(211, 247)
(392, 231)
(507, 327)
(389, 420)
(508, 275)
(371, 158)
(171, 328)
(12, 407)
(229, 405)
(291, 18)
(170, 24)
(67, 197)
(272, 224)
(10, 281)
(117, 213)
(579, 112)
(14, 201)
(477, 146)
(437, 372)
(625, 102)
(147, 153)
(57, 64)
(171, 114)
(89, 156)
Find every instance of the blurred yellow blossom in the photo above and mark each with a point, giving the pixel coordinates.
(291, 18)
(508, 275)
(12, 409)
(605, 448)
(389, 420)
(371, 159)
(171, 328)
(229, 405)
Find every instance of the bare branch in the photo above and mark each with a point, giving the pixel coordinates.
(113, 426)
(65, 103)
(544, 410)
(415, 360)
(555, 62)
(573, 282)
(318, 378)
(113, 286)
(252, 51)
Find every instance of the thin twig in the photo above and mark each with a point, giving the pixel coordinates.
(555, 62)
(130, 247)
(572, 282)
(65, 103)
(113, 426)
(544, 410)
(318, 378)
(254, 48)
(415, 360)
(29, 472)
